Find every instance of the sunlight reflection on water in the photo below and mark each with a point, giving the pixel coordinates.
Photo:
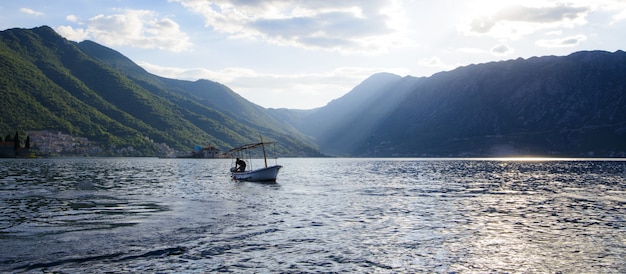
(323, 215)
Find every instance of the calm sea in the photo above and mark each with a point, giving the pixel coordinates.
(323, 215)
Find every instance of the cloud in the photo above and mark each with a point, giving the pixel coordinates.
(515, 21)
(556, 14)
(435, 62)
(471, 50)
(620, 16)
(71, 18)
(31, 12)
(617, 8)
(135, 28)
(562, 42)
(501, 50)
(349, 25)
(73, 34)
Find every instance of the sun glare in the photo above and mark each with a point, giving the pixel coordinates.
(482, 8)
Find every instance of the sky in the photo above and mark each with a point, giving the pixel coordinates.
(302, 54)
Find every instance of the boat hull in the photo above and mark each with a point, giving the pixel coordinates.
(266, 174)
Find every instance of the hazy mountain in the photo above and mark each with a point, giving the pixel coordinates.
(349, 120)
(88, 90)
(567, 106)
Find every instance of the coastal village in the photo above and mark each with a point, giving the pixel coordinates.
(43, 143)
(204, 152)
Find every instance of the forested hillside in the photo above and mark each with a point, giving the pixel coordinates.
(84, 89)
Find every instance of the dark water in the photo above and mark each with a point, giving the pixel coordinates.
(323, 215)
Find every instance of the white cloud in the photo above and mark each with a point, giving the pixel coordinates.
(224, 76)
(73, 34)
(471, 50)
(554, 33)
(501, 50)
(347, 26)
(31, 12)
(570, 41)
(71, 18)
(617, 8)
(435, 62)
(620, 16)
(135, 28)
(516, 21)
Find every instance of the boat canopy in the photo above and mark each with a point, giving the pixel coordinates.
(249, 146)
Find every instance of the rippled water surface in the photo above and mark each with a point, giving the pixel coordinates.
(323, 215)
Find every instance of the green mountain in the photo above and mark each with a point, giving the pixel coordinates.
(85, 89)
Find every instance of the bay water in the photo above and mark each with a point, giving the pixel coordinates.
(94, 215)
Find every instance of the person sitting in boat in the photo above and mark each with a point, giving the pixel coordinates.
(240, 165)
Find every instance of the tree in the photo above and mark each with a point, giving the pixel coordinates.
(27, 144)
(16, 141)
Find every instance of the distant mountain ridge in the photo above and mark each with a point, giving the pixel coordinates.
(550, 106)
(567, 106)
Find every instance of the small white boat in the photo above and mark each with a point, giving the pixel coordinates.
(263, 174)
